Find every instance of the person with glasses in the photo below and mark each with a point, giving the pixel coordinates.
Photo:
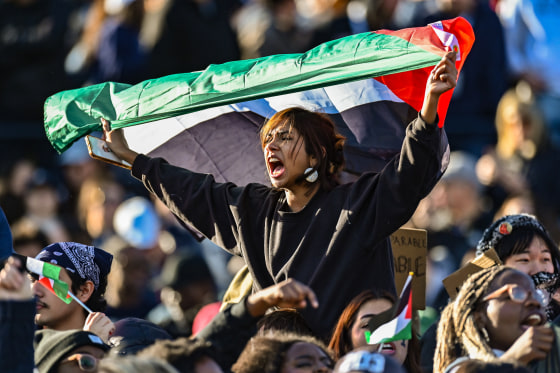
(497, 316)
(520, 241)
(69, 351)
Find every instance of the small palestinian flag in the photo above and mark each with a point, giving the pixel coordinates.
(400, 327)
(49, 277)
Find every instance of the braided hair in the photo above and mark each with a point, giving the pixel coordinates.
(458, 333)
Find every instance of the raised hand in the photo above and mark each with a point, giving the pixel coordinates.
(117, 142)
(14, 283)
(442, 78)
(286, 294)
(533, 344)
(99, 324)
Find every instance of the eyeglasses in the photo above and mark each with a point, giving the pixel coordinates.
(86, 362)
(519, 295)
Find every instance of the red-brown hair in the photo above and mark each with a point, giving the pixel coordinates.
(341, 339)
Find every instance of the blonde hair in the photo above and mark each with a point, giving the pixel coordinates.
(458, 329)
(530, 119)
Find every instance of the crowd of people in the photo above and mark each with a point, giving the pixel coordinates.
(170, 271)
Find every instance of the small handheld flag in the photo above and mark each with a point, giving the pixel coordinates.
(400, 326)
(49, 277)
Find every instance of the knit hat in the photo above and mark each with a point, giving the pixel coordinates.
(89, 262)
(53, 345)
(508, 224)
(134, 334)
(367, 362)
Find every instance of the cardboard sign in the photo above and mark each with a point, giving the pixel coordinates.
(410, 248)
(453, 282)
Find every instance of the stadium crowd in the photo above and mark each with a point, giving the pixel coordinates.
(152, 294)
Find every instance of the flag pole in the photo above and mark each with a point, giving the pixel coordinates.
(79, 302)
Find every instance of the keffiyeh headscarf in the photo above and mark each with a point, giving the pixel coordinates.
(89, 262)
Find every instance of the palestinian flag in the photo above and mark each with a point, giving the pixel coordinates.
(400, 327)
(372, 84)
(49, 277)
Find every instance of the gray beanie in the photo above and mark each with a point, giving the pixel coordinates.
(52, 345)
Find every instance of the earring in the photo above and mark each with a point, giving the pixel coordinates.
(311, 175)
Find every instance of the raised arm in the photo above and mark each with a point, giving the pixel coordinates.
(442, 78)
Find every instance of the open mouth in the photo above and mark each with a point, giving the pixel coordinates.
(388, 348)
(534, 319)
(275, 166)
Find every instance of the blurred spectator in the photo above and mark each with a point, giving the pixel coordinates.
(18, 175)
(380, 14)
(516, 204)
(32, 46)
(523, 158)
(282, 352)
(110, 48)
(98, 199)
(532, 32)
(133, 334)
(470, 118)
(42, 200)
(285, 33)
(185, 354)
(128, 287)
(191, 34)
(76, 166)
(136, 222)
(328, 19)
(454, 217)
(176, 237)
(29, 240)
(120, 56)
(186, 286)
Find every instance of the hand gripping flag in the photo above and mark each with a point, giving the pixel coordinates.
(371, 84)
(400, 327)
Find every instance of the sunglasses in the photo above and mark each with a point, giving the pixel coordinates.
(518, 294)
(86, 362)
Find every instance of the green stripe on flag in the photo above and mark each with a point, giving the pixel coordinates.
(51, 271)
(61, 290)
(70, 115)
(404, 333)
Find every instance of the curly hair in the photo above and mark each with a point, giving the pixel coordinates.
(182, 353)
(267, 353)
(320, 139)
(458, 332)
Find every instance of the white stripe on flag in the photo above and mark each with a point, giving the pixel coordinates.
(331, 100)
